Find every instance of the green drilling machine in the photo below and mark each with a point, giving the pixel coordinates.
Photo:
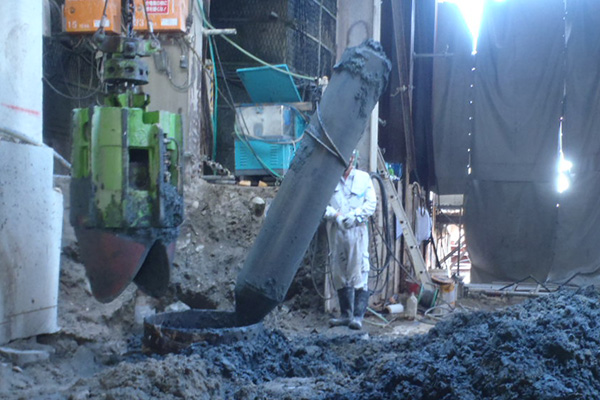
(126, 187)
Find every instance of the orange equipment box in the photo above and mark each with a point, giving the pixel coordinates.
(165, 15)
(84, 16)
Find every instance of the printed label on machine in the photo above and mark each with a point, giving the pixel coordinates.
(168, 22)
(157, 6)
(97, 23)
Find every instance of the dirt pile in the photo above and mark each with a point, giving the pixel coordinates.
(220, 225)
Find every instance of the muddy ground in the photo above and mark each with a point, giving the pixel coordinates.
(545, 348)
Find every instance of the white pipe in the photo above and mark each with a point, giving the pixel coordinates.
(16, 135)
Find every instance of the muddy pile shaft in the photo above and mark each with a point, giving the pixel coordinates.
(357, 82)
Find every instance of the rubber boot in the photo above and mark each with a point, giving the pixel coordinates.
(361, 300)
(346, 299)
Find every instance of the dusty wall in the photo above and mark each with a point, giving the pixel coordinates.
(176, 86)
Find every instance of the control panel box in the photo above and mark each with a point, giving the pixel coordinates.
(269, 121)
(85, 16)
(267, 138)
(165, 15)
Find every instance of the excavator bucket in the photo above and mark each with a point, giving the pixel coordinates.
(111, 261)
(153, 276)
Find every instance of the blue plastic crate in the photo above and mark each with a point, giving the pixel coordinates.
(275, 156)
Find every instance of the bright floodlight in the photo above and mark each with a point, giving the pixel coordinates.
(564, 165)
(562, 182)
(472, 12)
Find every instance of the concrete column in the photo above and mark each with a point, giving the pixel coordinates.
(357, 21)
(30, 208)
(21, 67)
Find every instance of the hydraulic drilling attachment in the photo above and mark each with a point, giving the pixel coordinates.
(126, 187)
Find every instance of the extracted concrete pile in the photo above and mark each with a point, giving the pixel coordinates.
(546, 348)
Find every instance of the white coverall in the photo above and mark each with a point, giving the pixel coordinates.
(347, 214)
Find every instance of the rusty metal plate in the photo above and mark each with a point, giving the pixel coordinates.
(174, 331)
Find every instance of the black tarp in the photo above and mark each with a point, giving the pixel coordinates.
(452, 100)
(578, 233)
(528, 58)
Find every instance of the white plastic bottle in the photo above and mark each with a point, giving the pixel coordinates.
(411, 307)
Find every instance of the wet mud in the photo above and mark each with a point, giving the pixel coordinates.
(545, 348)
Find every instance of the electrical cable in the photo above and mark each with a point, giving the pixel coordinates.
(435, 252)
(384, 208)
(313, 248)
(408, 272)
(331, 142)
(185, 86)
(46, 81)
(103, 18)
(148, 22)
(385, 236)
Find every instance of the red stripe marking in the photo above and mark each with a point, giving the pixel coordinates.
(25, 110)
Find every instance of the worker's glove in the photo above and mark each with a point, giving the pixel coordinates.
(349, 221)
(339, 220)
(330, 212)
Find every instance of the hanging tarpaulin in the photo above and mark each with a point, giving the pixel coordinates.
(578, 228)
(529, 60)
(452, 101)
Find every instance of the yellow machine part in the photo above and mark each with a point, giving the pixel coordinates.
(165, 15)
(85, 16)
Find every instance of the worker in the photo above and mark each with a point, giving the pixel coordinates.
(349, 209)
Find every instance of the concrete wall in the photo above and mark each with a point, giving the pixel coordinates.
(30, 208)
(186, 100)
(357, 21)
